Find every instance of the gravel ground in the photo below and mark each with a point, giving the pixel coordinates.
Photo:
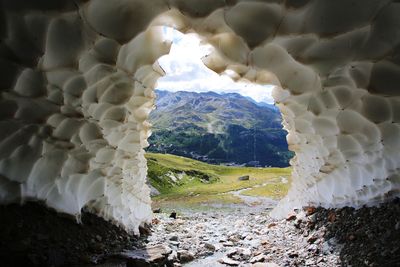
(369, 236)
(218, 238)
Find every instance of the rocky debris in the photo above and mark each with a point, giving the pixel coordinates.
(310, 237)
(367, 236)
(244, 178)
(243, 238)
(34, 235)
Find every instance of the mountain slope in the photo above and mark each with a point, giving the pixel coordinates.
(214, 128)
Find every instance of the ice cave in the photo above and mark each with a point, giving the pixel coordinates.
(77, 88)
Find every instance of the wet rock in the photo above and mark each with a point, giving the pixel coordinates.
(173, 215)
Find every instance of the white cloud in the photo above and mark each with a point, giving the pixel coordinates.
(186, 72)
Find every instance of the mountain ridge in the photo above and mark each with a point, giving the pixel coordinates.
(218, 128)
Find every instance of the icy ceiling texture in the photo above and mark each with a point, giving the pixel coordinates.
(77, 82)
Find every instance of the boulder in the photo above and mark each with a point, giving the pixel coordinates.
(244, 178)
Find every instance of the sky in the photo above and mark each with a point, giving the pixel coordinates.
(186, 72)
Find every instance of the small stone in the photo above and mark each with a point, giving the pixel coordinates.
(258, 258)
(228, 261)
(310, 210)
(209, 246)
(173, 215)
(271, 225)
(331, 216)
(228, 244)
(185, 256)
(312, 239)
(157, 210)
(265, 264)
(173, 238)
(291, 216)
(293, 254)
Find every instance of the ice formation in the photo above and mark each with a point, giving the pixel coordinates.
(77, 81)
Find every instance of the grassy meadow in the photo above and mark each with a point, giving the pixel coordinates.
(200, 182)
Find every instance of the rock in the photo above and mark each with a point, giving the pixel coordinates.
(209, 246)
(271, 225)
(309, 210)
(173, 215)
(173, 238)
(258, 258)
(185, 256)
(312, 239)
(265, 264)
(291, 216)
(244, 178)
(147, 257)
(173, 257)
(228, 261)
(157, 210)
(331, 216)
(153, 191)
(228, 244)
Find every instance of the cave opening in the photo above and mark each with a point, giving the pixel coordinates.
(78, 86)
(225, 129)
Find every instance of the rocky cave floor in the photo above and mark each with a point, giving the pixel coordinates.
(32, 235)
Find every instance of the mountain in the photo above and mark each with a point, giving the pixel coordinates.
(218, 128)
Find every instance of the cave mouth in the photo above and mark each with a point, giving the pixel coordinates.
(76, 106)
(215, 119)
(77, 87)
